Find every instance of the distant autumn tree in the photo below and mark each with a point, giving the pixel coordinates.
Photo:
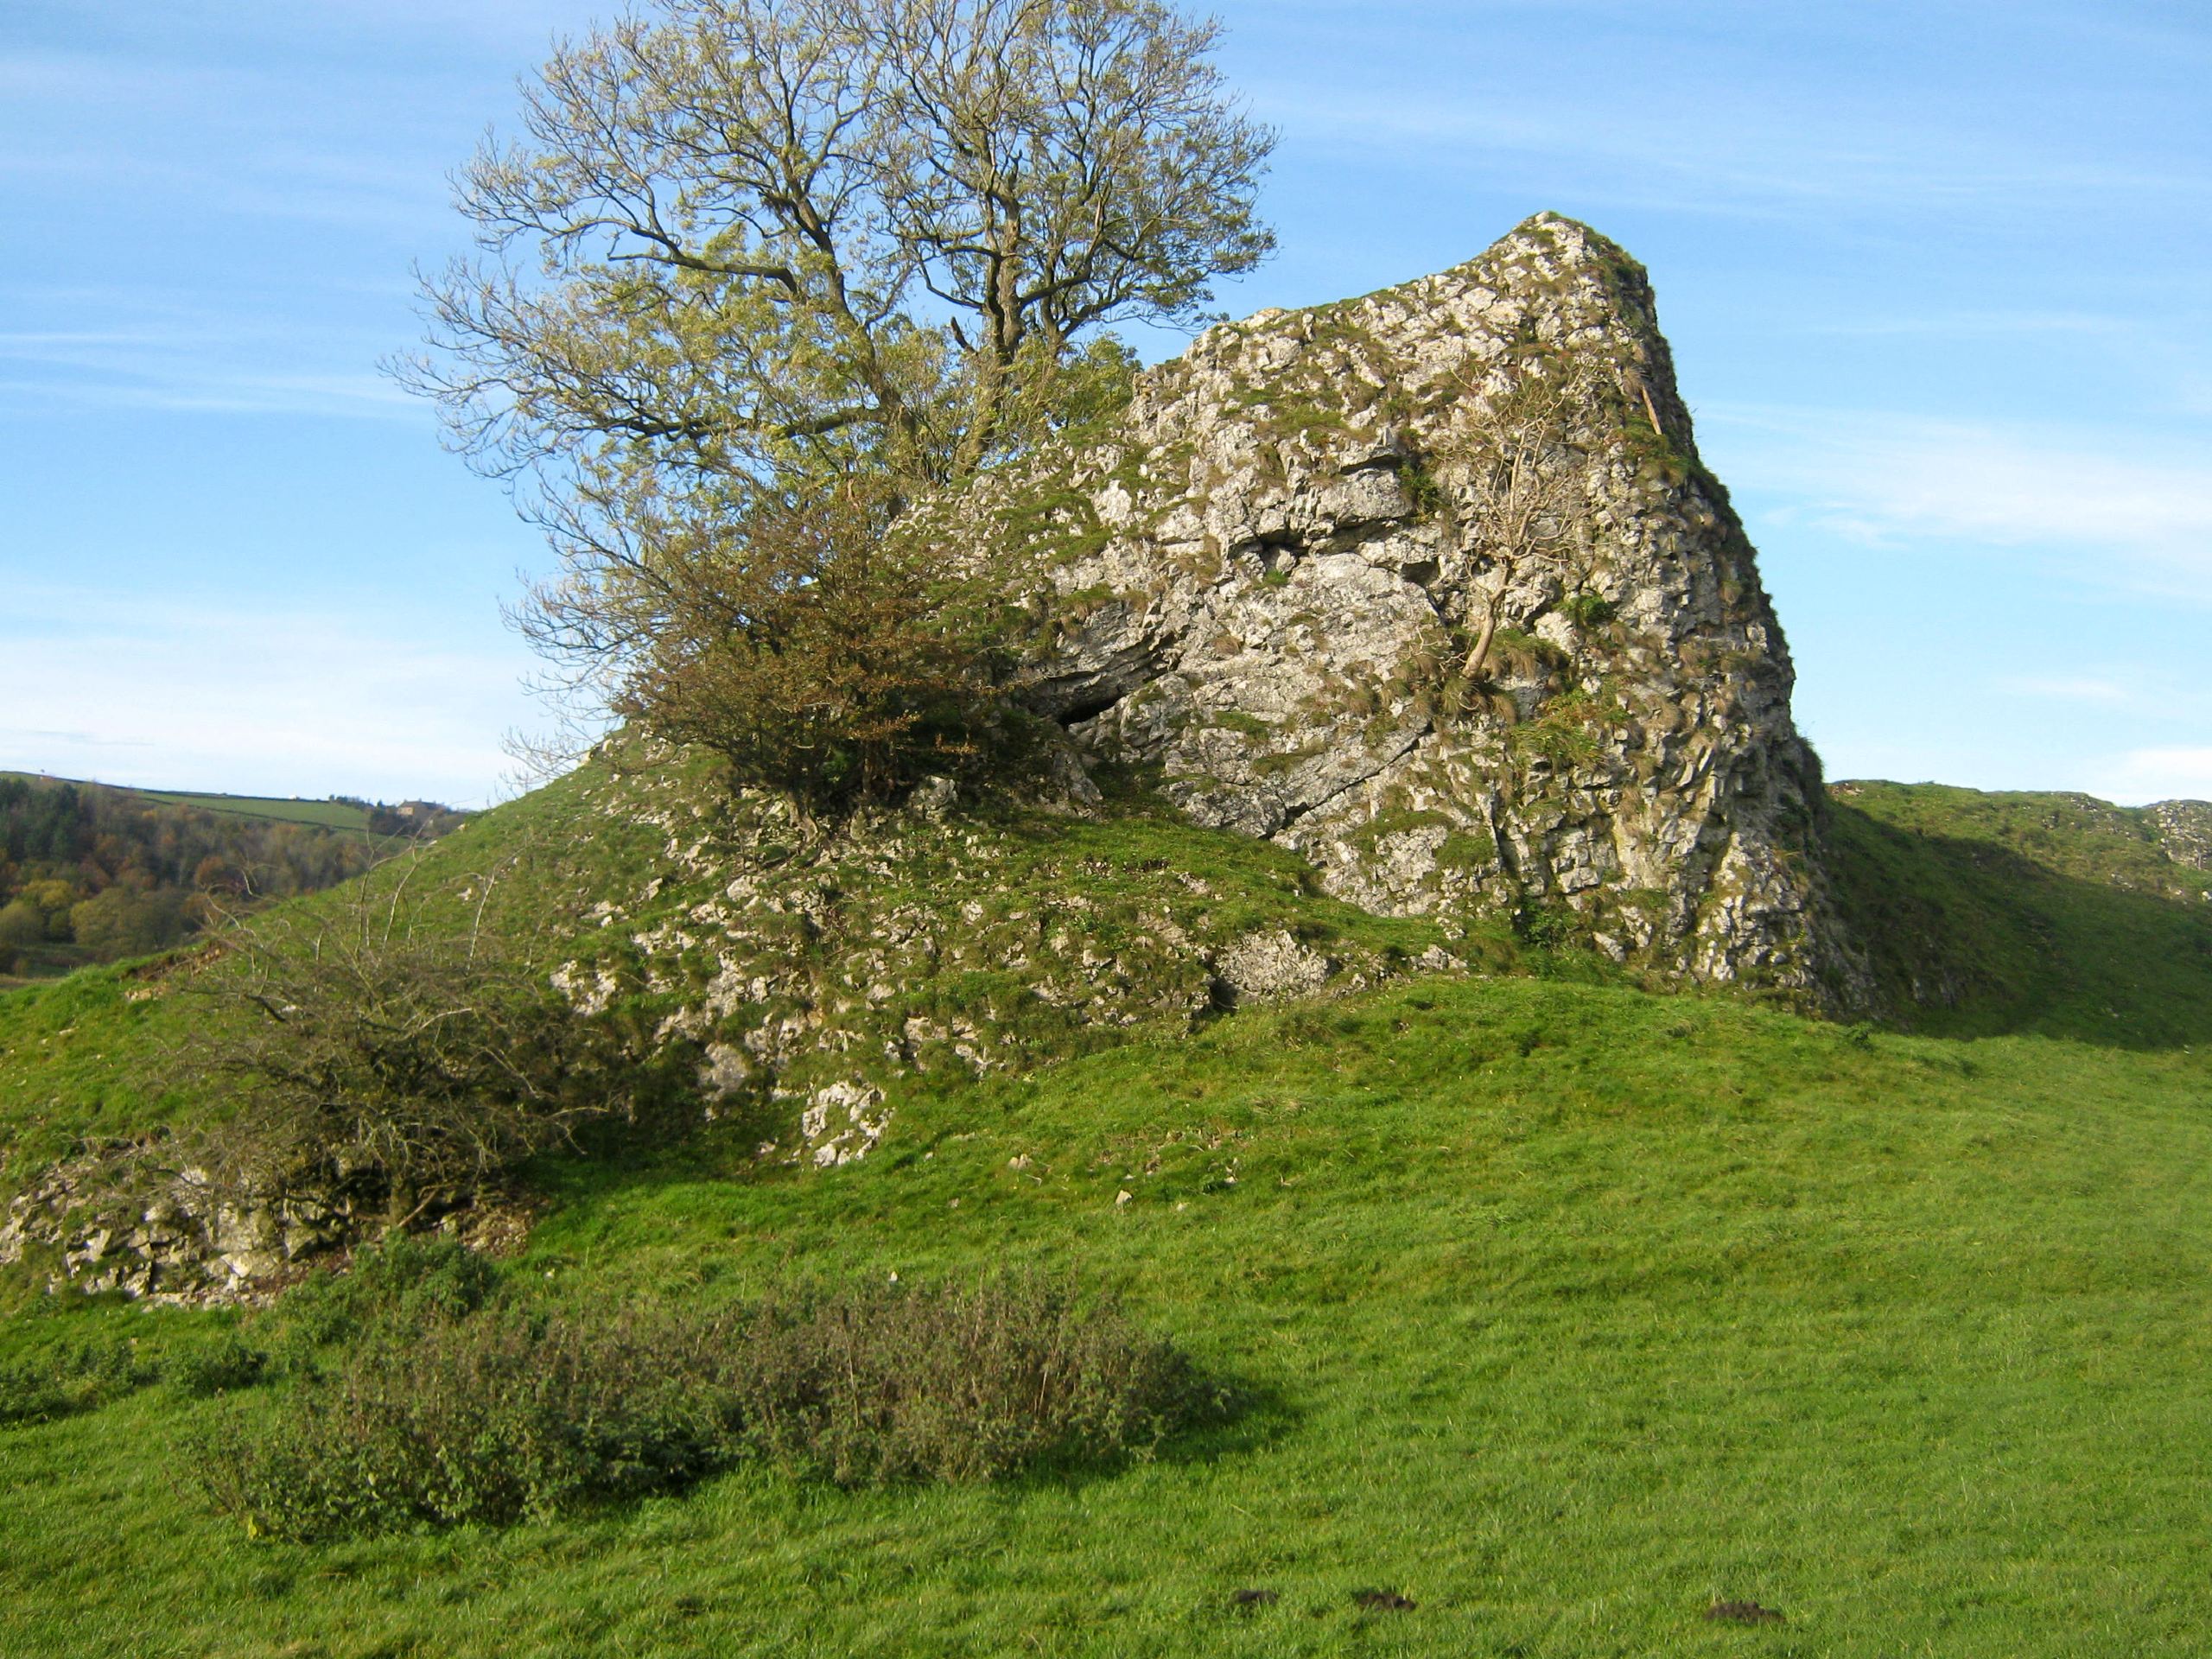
(122, 921)
(746, 252)
(22, 927)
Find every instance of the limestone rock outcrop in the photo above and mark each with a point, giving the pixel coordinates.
(1431, 587)
(2184, 831)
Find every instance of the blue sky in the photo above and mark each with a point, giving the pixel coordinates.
(1938, 277)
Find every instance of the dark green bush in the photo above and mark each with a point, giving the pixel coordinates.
(373, 1057)
(228, 1361)
(406, 1281)
(1588, 610)
(30, 1393)
(413, 1278)
(1549, 927)
(486, 1420)
(513, 1413)
(885, 1385)
(71, 1375)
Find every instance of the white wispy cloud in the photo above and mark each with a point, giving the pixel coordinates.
(199, 362)
(250, 178)
(1733, 154)
(2118, 508)
(29, 75)
(1951, 324)
(1860, 116)
(2181, 772)
(290, 700)
(74, 740)
(245, 138)
(2078, 689)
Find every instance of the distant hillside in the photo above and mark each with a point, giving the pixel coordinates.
(91, 873)
(2057, 913)
(421, 819)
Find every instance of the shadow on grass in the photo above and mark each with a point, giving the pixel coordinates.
(1969, 937)
(1251, 1417)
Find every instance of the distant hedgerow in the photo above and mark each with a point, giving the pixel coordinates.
(513, 1412)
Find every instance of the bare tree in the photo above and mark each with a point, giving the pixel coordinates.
(384, 1053)
(1073, 162)
(1524, 506)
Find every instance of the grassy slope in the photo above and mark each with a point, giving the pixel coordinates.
(2015, 913)
(78, 1057)
(1570, 1308)
(1567, 1308)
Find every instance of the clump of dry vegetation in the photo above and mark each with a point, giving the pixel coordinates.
(451, 1406)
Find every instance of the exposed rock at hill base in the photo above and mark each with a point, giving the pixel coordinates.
(118, 1219)
(2184, 831)
(1431, 587)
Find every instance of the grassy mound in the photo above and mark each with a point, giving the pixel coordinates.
(1569, 1310)
(1563, 1313)
(781, 963)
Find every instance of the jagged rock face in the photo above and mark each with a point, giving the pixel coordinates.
(2184, 831)
(1269, 582)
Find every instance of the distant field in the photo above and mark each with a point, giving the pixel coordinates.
(328, 815)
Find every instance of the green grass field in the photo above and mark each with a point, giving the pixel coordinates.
(328, 815)
(1567, 1310)
(1563, 1309)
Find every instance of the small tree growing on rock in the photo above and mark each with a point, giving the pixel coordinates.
(1525, 512)
(833, 661)
(748, 252)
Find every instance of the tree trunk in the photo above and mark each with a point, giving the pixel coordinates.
(1478, 653)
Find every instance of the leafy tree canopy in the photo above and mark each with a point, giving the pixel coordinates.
(744, 254)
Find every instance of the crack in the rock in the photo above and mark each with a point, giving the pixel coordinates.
(1368, 776)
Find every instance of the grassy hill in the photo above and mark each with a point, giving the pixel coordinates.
(1561, 1307)
(329, 814)
(2058, 914)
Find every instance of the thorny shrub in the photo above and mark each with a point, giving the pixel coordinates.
(377, 1062)
(78, 1373)
(512, 1412)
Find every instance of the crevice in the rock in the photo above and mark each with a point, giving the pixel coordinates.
(1088, 708)
(1388, 760)
(1276, 550)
